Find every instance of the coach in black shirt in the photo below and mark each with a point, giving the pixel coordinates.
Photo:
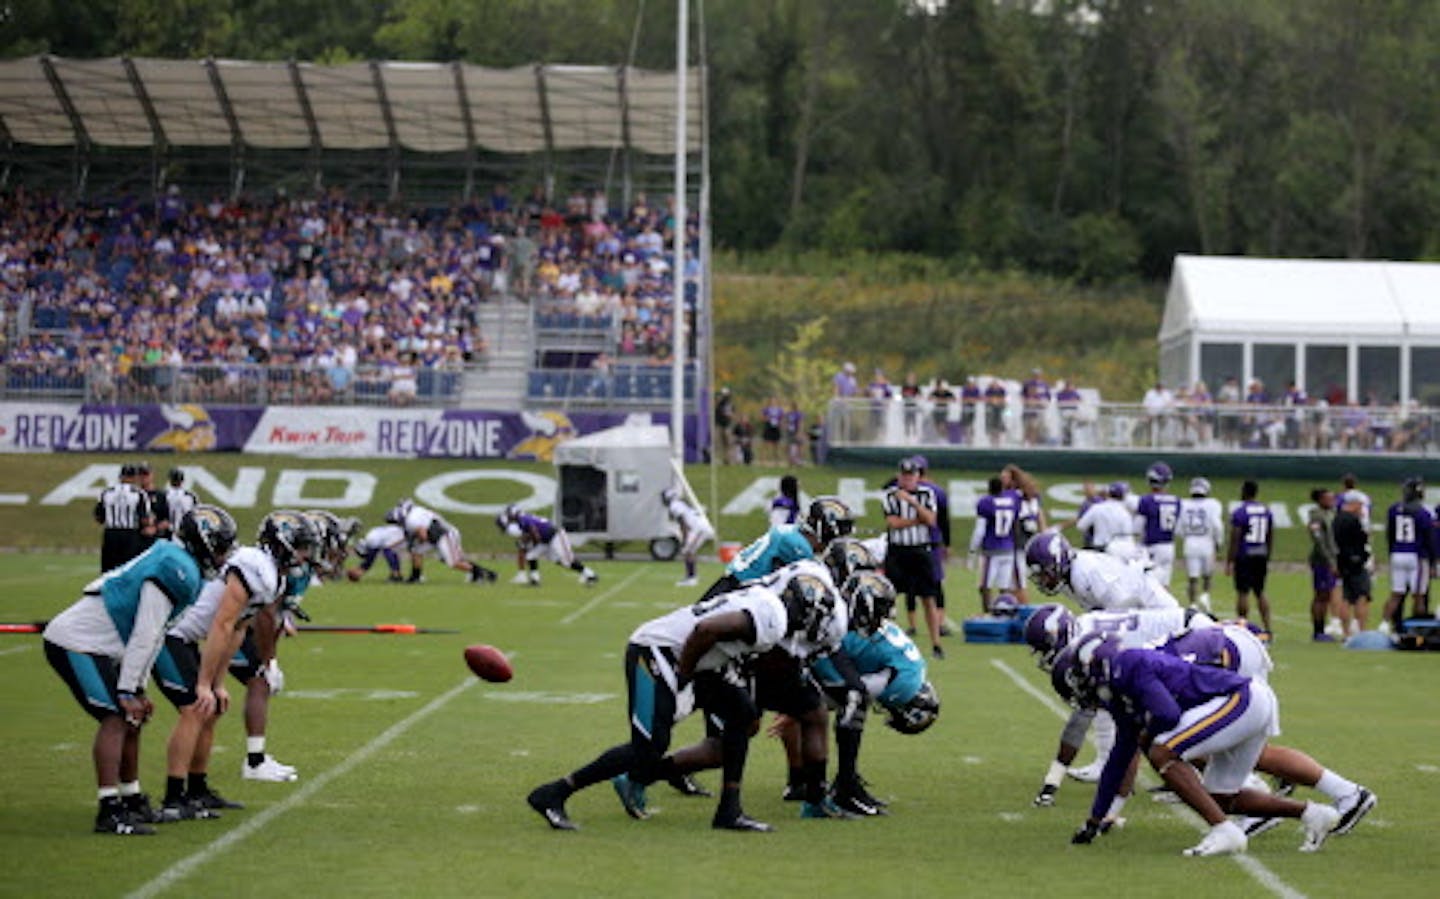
(910, 512)
(1353, 557)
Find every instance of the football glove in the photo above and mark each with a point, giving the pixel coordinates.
(274, 676)
(850, 713)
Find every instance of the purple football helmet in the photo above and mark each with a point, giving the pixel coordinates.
(1048, 631)
(1047, 557)
(1005, 606)
(1061, 674)
(1159, 474)
(1117, 490)
(1094, 659)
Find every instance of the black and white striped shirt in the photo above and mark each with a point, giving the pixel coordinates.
(179, 501)
(917, 534)
(123, 507)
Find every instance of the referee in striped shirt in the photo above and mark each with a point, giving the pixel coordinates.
(124, 511)
(910, 513)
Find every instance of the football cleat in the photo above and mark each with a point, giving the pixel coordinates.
(534, 578)
(632, 796)
(1224, 838)
(740, 821)
(1253, 827)
(1320, 821)
(395, 578)
(186, 809)
(825, 809)
(268, 770)
(792, 793)
(847, 801)
(938, 652)
(859, 788)
(1046, 797)
(1087, 775)
(520, 577)
(687, 582)
(548, 804)
(588, 577)
(945, 631)
(213, 800)
(140, 809)
(119, 822)
(1352, 808)
(686, 785)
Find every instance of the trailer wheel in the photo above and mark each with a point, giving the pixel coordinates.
(663, 549)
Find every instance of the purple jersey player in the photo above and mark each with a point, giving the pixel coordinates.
(1409, 532)
(539, 538)
(1252, 533)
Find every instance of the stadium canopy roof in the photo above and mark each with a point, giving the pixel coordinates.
(416, 106)
(1221, 297)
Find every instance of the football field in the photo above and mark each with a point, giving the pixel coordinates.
(413, 773)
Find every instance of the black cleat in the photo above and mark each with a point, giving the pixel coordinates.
(548, 804)
(686, 785)
(1046, 797)
(140, 809)
(396, 578)
(793, 793)
(116, 821)
(213, 800)
(740, 821)
(185, 810)
(861, 787)
(849, 802)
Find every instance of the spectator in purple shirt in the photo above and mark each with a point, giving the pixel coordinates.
(1035, 395)
(1252, 534)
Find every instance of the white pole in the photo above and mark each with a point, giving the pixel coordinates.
(677, 343)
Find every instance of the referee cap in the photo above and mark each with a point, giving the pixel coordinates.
(908, 465)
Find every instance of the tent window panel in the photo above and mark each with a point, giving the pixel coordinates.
(1326, 373)
(1274, 365)
(1219, 361)
(1379, 374)
(1425, 374)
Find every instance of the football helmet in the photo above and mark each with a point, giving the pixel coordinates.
(332, 536)
(1117, 490)
(1199, 486)
(1005, 606)
(918, 714)
(1413, 490)
(809, 603)
(398, 513)
(668, 496)
(507, 516)
(1094, 659)
(289, 537)
(1159, 474)
(1062, 674)
(830, 518)
(1048, 631)
(208, 534)
(870, 597)
(846, 556)
(1048, 557)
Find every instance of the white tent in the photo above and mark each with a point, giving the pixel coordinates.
(1357, 328)
(610, 484)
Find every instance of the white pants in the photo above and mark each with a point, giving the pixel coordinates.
(1232, 738)
(557, 550)
(1409, 574)
(1199, 556)
(999, 570)
(1162, 562)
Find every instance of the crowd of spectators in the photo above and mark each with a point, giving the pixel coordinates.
(128, 290)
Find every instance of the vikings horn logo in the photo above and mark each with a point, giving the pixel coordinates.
(547, 431)
(190, 431)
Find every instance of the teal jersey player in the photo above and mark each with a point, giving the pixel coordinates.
(778, 547)
(164, 564)
(888, 650)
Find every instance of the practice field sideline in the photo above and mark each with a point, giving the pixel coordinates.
(413, 774)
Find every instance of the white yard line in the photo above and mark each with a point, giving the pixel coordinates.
(188, 865)
(573, 616)
(1256, 869)
(14, 649)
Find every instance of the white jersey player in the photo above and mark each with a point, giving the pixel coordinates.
(1202, 530)
(385, 540)
(1103, 581)
(1111, 524)
(425, 527)
(695, 530)
(802, 645)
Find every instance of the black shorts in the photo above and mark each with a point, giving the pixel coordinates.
(119, 546)
(91, 678)
(177, 670)
(783, 685)
(770, 434)
(727, 700)
(912, 570)
(246, 664)
(1355, 585)
(1250, 573)
(649, 682)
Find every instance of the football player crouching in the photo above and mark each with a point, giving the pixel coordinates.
(539, 538)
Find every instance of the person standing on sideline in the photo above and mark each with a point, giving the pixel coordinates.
(1409, 536)
(772, 424)
(1252, 535)
(695, 529)
(1324, 561)
(123, 510)
(1156, 515)
(724, 418)
(940, 545)
(996, 516)
(178, 500)
(159, 510)
(785, 508)
(1202, 528)
(910, 512)
(1352, 545)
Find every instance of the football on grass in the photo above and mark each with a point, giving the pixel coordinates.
(488, 663)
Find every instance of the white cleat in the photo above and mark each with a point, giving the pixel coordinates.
(1352, 808)
(588, 577)
(1225, 838)
(1204, 600)
(1087, 775)
(268, 770)
(520, 578)
(687, 582)
(1319, 820)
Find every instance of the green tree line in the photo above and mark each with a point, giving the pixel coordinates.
(1088, 139)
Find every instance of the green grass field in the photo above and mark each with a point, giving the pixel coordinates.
(413, 773)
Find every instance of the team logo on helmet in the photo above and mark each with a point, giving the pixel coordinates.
(208, 534)
(870, 597)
